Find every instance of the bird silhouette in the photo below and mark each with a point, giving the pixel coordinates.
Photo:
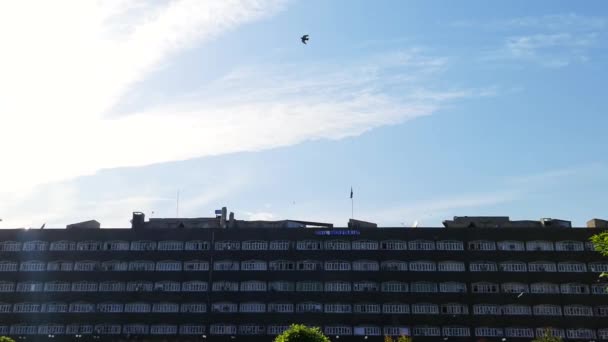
(304, 38)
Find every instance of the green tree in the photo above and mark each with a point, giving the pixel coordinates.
(301, 333)
(399, 339)
(548, 337)
(6, 339)
(600, 243)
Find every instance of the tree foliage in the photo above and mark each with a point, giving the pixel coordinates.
(6, 339)
(547, 337)
(301, 333)
(600, 243)
(399, 339)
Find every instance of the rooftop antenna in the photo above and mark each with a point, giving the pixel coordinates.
(177, 205)
(42, 227)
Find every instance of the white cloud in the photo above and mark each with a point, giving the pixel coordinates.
(262, 216)
(551, 50)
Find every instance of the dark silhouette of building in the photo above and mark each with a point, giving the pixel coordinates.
(479, 278)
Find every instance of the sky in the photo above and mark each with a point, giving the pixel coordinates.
(427, 109)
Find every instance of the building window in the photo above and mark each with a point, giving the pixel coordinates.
(337, 265)
(62, 246)
(22, 329)
(196, 265)
(486, 309)
(252, 329)
(280, 286)
(578, 310)
(599, 289)
(280, 307)
(170, 245)
(165, 307)
(227, 245)
(112, 286)
(109, 307)
(86, 266)
(365, 286)
(598, 267)
(252, 307)
(393, 265)
(57, 286)
(309, 307)
(421, 245)
(194, 307)
(141, 265)
(196, 245)
(337, 245)
(365, 265)
(337, 308)
(222, 329)
(163, 329)
(88, 246)
(276, 329)
(422, 266)
(254, 245)
(115, 265)
(279, 245)
(425, 309)
(59, 265)
(135, 329)
(395, 308)
(589, 246)
(544, 288)
(452, 287)
(450, 266)
(397, 286)
(225, 286)
(569, 246)
(108, 329)
(571, 267)
(143, 245)
(540, 332)
(79, 329)
(482, 266)
(602, 333)
(456, 331)
(308, 245)
(167, 286)
(450, 245)
(423, 287)
(191, 329)
(309, 286)
(8, 266)
(253, 265)
(10, 246)
(281, 265)
(539, 246)
(515, 288)
(454, 309)
(547, 310)
(169, 265)
(194, 286)
(482, 245)
(253, 286)
(426, 331)
(513, 246)
(367, 308)
(32, 266)
(484, 288)
(513, 266)
(393, 245)
(488, 332)
(338, 330)
(6, 308)
(365, 245)
(337, 286)
(7, 286)
(137, 307)
(35, 246)
(56, 307)
(542, 266)
(516, 309)
(84, 286)
(519, 332)
(226, 265)
(139, 286)
(367, 330)
(82, 307)
(580, 333)
(116, 246)
(30, 286)
(46, 329)
(601, 311)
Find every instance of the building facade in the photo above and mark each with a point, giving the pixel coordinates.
(249, 283)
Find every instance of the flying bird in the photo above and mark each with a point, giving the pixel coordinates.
(304, 38)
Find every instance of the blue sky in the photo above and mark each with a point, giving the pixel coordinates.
(427, 109)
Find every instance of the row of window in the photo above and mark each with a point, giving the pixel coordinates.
(303, 286)
(256, 245)
(306, 307)
(275, 329)
(303, 265)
